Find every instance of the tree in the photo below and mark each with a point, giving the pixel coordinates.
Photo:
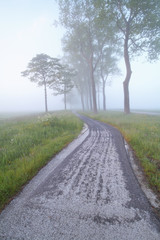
(42, 69)
(138, 26)
(82, 79)
(107, 67)
(88, 34)
(64, 82)
(76, 45)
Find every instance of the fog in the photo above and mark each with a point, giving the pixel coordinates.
(144, 86)
(26, 29)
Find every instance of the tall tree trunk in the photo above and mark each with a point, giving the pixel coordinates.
(65, 97)
(87, 103)
(65, 101)
(82, 101)
(128, 74)
(98, 97)
(89, 97)
(104, 96)
(45, 94)
(93, 87)
(103, 90)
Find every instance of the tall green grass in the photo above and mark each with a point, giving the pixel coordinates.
(27, 144)
(142, 132)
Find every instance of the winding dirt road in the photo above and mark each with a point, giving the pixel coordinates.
(87, 192)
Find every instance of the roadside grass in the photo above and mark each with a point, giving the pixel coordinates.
(142, 132)
(28, 143)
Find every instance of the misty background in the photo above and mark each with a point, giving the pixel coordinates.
(27, 29)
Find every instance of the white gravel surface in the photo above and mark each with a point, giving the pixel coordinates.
(87, 192)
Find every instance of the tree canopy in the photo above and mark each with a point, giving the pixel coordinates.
(42, 69)
(138, 28)
(88, 36)
(97, 33)
(94, 25)
(64, 82)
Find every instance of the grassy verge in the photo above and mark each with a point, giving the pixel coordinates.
(142, 132)
(27, 144)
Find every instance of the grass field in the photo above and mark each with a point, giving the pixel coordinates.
(28, 143)
(142, 132)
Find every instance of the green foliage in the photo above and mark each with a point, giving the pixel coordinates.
(27, 144)
(64, 83)
(88, 40)
(142, 132)
(96, 33)
(41, 69)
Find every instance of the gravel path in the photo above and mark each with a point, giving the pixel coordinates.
(87, 192)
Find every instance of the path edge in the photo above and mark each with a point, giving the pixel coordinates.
(151, 196)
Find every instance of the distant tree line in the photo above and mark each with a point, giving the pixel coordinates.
(50, 72)
(98, 33)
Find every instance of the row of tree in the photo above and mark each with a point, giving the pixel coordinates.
(50, 72)
(62, 79)
(98, 32)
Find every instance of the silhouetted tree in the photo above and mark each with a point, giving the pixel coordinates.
(138, 25)
(42, 69)
(63, 83)
(87, 33)
(107, 67)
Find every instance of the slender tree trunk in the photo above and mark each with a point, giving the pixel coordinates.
(93, 87)
(104, 96)
(98, 97)
(86, 104)
(103, 90)
(89, 97)
(65, 101)
(45, 94)
(65, 97)
(82, 101)
(128, 74)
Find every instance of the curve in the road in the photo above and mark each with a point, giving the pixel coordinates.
(91, 194)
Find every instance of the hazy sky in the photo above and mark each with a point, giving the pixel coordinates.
(26, 29)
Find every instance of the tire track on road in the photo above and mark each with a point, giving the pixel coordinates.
(92, 194)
